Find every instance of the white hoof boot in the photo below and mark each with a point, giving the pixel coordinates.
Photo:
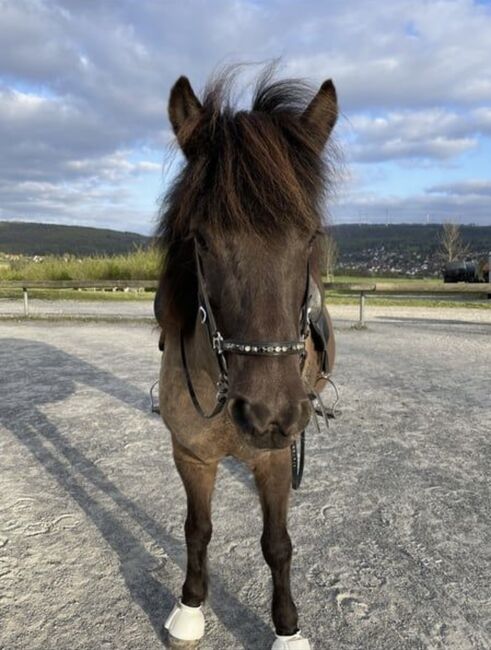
(293, 642)
(185, 623)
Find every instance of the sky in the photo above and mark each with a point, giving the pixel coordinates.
(84, 84)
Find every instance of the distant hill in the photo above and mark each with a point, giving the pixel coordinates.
(355, 241)
(23, 238)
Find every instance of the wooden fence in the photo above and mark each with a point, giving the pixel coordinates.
(412, 287)
(25, 285)
(362, 289)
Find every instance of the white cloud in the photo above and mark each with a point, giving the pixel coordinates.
(147, 166)
(420, 207)
(430, 134)
(402, 54)
(461, 201)
(469, 188)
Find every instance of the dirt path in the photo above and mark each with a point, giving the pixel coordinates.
(390, 529)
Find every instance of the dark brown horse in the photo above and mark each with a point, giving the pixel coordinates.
(240, 235)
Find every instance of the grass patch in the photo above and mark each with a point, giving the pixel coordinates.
(141, 264)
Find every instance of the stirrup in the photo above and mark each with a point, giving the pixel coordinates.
(185, 623)
(293, 642)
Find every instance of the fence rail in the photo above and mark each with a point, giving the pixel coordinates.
(25, 285)
(360, 288)
(409, 287)
(412, 287)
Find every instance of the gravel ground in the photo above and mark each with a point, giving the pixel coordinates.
(390, 528)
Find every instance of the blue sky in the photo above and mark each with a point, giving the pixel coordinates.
(84, 87)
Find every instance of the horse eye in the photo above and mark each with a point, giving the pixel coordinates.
(201, 241)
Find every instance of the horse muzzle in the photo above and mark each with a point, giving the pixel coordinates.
(266, 427)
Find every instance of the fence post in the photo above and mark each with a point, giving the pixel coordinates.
(26, 302)
(362, 309)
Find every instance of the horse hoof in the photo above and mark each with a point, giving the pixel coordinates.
(293, 642)
(185, 624)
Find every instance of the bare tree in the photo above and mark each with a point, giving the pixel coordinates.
(330, 254)
(452, 247)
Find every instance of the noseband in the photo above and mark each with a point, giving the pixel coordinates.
(223, 347)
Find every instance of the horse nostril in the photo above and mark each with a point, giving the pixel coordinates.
(250, 417)
(283, 432)
(294, 418)
(240, 410)
(305, 413)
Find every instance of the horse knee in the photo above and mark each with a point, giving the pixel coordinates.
(277, 548)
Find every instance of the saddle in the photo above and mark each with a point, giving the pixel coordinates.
(320, 325)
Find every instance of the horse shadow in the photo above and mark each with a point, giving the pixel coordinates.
(37, 374)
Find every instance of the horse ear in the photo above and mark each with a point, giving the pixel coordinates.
(321, 114)
(184, 110)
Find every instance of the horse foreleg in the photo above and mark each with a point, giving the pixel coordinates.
(273, 479)
(186, 621)
(199, 481)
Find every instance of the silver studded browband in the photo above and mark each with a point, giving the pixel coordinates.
(269, 348)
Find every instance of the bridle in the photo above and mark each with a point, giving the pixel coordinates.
(222, 347)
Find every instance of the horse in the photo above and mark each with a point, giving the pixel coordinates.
(245, 335)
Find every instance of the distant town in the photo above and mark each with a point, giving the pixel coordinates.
(380, 261)
(403, 250)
